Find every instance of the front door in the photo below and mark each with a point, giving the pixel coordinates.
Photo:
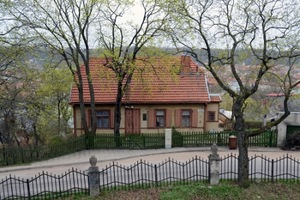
(132, 121)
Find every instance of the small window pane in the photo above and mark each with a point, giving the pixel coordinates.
(211, 116)
(186, 118)
(186, 113)
(144, 116)
(160, 113)
(102, 123)
(102, 119)
(102, 113)
(160, 118)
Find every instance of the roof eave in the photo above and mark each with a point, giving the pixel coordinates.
(145, 103)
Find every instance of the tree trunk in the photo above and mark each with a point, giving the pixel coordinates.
(92, 100)
(242, 139)
(82, 110)
(79, 86)
(118, 114)
(243, 160)
(58, 117)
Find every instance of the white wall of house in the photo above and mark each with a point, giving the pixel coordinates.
(292, 120)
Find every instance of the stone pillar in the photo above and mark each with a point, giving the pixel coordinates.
(168, 138)
(93, 177)
(214, 162)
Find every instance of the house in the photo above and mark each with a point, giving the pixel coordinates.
(156, 99)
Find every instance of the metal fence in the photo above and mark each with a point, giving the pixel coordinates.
(44, 186)
(18, 155)
(179, 139)
(11, 156)
(143, 175)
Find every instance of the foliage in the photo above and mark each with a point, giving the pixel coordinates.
(35, 105)
(60, 140)
(226, 102)
(54, 92)
(11, 90)
(225, 190)
(125, 41)
(255, 107)
(266, 35)
(228, 190)
(63, 27)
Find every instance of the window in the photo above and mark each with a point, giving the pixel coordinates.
(186, 118)
(144, 116)
(160, 118)
(102, 118)
(211, 116)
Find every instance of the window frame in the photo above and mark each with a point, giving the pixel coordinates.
(209, 116)
(103, 117)
(164, 118)
(184, 116)
(145, 117)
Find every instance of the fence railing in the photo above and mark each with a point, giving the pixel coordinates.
(11, 156)
(143, 175)
(17, 155)
(45, 186)
(179, 139)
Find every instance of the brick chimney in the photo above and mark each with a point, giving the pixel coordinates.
(185, 65)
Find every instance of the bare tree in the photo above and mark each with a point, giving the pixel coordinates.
(12, 52)
(123, 40)
(267, 31)
(68, 26)
(63, 27)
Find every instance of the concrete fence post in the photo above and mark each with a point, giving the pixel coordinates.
(93, 177)
(214, 162)
(168, 138)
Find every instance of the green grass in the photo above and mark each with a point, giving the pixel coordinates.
(224, 191)
(195, 191)
(227, 190)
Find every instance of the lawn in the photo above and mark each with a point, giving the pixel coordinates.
(265, 191)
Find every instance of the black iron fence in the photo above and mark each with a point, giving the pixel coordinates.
(179, 139)
(45, 186)
(18, 155)
(142, 175)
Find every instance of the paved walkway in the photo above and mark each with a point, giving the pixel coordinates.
(80, 160)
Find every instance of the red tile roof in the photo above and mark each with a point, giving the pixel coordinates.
(149, 87)
(215, 98)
